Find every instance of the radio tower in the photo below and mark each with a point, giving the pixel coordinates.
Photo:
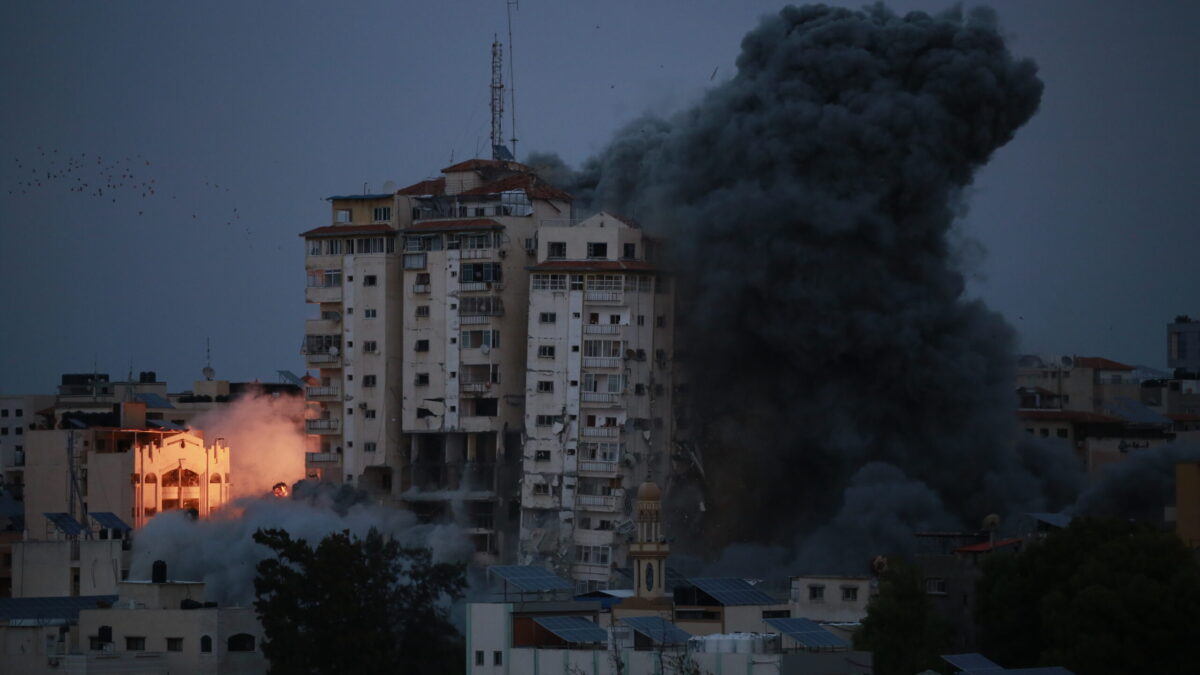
(499, 150)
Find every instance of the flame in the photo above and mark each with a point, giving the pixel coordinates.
(280, 489)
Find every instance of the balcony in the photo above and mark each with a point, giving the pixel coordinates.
(601, 432)
(602, 362)
(476, 253)
(323, 392)
(602, 329)
(604, 297)
(598, 398)
(595, 466)
(473, 320)
(475, 387)
(323, 327)
(453, 476)
(418, 289)
(321, 457)
(597, 502)
(323, 358)
(322, 426)
(317, 294)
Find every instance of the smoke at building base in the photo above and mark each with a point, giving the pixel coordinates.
(220, 550)
(841, 390)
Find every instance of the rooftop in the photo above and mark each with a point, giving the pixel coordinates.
(455, 225)
(1099, 363)
(344, 230)
(384, 195)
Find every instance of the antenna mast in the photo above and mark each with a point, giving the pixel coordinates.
(512, 81)
(498, 149)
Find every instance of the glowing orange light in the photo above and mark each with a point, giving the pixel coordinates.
(280, 489)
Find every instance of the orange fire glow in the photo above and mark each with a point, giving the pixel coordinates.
(280, 489)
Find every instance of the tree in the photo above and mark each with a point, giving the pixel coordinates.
(1101, 596)
(351, 605)
(902, 628)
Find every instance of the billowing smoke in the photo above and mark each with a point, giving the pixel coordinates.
(265, 439)
(1140, 487)
(221, 551)
(839, 385)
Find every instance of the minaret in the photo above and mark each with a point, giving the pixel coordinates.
(649, 551)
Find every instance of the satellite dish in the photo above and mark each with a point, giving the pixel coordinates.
(208, 372)
(333, 351)
(1068, 361)
(484, 349)
(991, 522)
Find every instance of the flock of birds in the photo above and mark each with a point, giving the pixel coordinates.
(112, 179)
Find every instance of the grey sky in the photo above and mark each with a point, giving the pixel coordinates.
(1087, 217)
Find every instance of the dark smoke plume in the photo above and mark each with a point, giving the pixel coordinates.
(839, 384)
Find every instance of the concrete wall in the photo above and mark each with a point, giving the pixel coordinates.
(65, 568)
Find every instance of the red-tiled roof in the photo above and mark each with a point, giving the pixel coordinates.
(593, 266)
(533, 186)
(1068, 416)
(476, 164)
(433, 186)
(454, 225)
(986, 546)
(1099, 363)
(341, 230)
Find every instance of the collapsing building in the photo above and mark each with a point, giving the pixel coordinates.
(486, 358)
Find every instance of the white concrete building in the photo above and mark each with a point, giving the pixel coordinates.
(17, 417)
(597, 393)
(831, 598)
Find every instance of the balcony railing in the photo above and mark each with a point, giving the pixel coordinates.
(481, 286)
(475, 387)
(599, 397)
(323, 357)
(606, 502)
(601, 362)
(597, 466)
(473, 320)
(420, 288)
(323, 392)
(601, 432)
(322, 425)
(321, 457)
(476, 253)
(604, 297)
(602, 329)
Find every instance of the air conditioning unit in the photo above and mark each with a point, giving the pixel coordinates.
(502, 253)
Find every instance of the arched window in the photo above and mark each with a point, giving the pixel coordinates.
(216, 478)
(190, 478)
(171, 478)
(205, 643)
(242, 642)
(151, 478)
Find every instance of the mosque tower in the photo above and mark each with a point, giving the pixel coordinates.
(649, 551)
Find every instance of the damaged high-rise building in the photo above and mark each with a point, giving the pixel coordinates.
(485, 358)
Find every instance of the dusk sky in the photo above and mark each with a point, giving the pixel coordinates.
(228, 123)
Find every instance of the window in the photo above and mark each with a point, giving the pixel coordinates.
(547, 317)
(641, 319)
(935, 586)
(486, 305)
(776, 613)
(629, 251)
(549, 282)
(474, 339)
(540, 489)
(597, 249)
(556, 250)
(369, 446)
(324, 278)
(422, 380)
(479, 657)
(816, 593)
(422, 345)
(135, 644)
(547, 420)
(606, 282)
(369, 314)
(660, 321)
(481, 272)
(497, 658)
(368, 380)
(314, 248)
(849, 593)
(485, 407)
(382, 213)
(545, 351)
(545, 386)
(205, 643)
(369, 413)
(602, 348)
(341, 215)
(422, 311)
(414, 261)
(370, 280)
(370, 346)
(242, 642)
(593, 555)
(174, 644)
(541, 456)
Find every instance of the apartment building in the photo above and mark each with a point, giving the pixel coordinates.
(470, 237)
(353, 280)
(597, 392)
(18, 414)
